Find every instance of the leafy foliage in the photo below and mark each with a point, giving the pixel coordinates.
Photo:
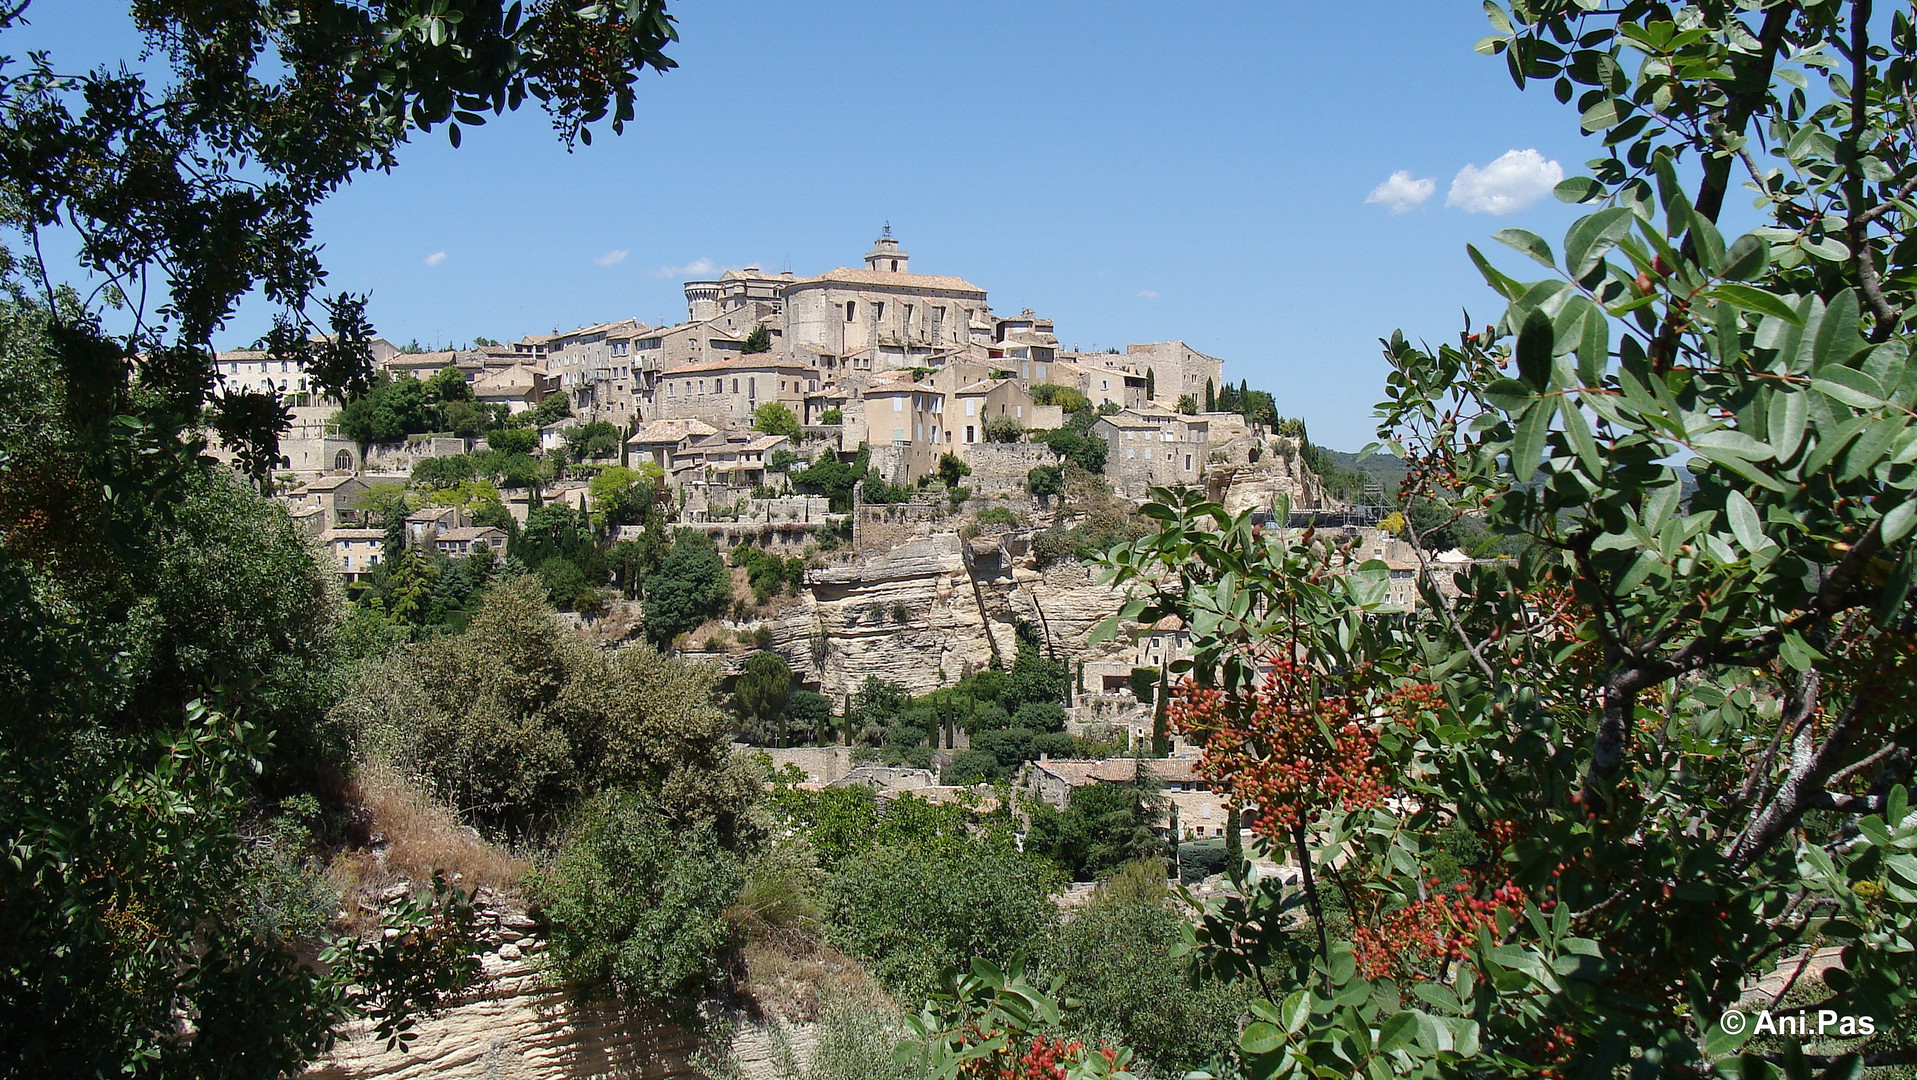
(775, 418)
(516, 721)
(637, 900)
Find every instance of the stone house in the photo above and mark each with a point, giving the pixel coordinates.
(252, 371)
(661, 441)
(1146, 448)
(427, 524)
(910, 418)
(594, 366)
(736, 458)
(468, 539)
(355, 551)
(973, 405)
(518, 387)
(727, 392)
(1200, 810)
(336, 497)
(1103, 378)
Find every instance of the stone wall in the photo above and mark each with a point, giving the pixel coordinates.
(402, 456)
(1002, 467)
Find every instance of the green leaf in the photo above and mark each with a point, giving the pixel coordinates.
(1838, 337)
(1750, 298)
(1527, 445)
(1528, 242)
(1578, 189)
(1900, 522)
(1261, 1038)
(1850, 386)
(1505, 286)
(1788, 419)
(1727, 441)
(1499, 20)
(1747, 258)
(1745, 524)
(1606, 113)
(1398, 1031)
(1296, 1011)
(1535, 341)
(1590, 238)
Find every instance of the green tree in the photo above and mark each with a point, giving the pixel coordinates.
(1187, 404)
(1086, 451)
(951, 469)
(1151, 384)
(513, 440)
(638, 901)
(1045, 481)
(758, 341)
(774, 418)
(914, 910)
(763, 691)
(832, 416)
(1211, 397)
(1698, 434)
(690, 586)
(1120, 960)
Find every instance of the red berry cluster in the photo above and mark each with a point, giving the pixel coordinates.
(1044, 1057)
(1288, 748)
(1416, 939)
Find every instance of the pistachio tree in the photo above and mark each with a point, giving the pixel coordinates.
(1678, 729)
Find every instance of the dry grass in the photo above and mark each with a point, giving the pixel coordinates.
(413, 836)
(791, 975)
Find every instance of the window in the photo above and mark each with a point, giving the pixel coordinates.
(1041, 371)
(971, 406)
(908, 315)
(1187, 461)
(752, 387)
(898, 434)
(898, 404)
(969, 436)
(895, 264)
(849, 306)
(1104, 384)
(735, 386)
(878, 309)
(1130, 453)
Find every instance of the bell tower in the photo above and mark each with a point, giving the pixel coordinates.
(885, 256)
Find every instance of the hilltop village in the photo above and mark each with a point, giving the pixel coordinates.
(901, 485)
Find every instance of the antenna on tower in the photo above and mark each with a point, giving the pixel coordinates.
(888, 230)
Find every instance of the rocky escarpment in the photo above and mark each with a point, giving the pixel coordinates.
(515, 1024)
(926, 611)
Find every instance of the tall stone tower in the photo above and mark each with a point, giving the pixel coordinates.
(885, 255)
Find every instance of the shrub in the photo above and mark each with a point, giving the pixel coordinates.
(832, 416)
(636, 900)
(997, 515)
(973, 767)
(1044, 481)
(913, 911)
(775, 418)
(513, 441)
(1003, 429)
(1046, 715)
(563, 580)
(689, 587)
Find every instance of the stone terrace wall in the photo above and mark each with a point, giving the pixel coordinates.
(1000, 467)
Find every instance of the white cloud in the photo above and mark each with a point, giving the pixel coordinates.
(1507, 185)
(435, 258)
(612, 258)
(692, 269)
(1147, 294)
(1401, 192)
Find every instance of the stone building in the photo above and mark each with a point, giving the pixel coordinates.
(355, 551)
(253, 371)
(336, 498)
(973, 405)
(1176, 369)
(728, 392)
(884, 317)
(661, 441)
(595, 366)
(1152, 447)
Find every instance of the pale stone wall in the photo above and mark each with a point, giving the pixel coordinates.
(402, 456)
(998, 467)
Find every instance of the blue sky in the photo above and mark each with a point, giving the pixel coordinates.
(1135, 172)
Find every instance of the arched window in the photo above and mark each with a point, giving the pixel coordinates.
(343, 460)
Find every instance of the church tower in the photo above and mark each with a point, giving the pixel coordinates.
(885, 255)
